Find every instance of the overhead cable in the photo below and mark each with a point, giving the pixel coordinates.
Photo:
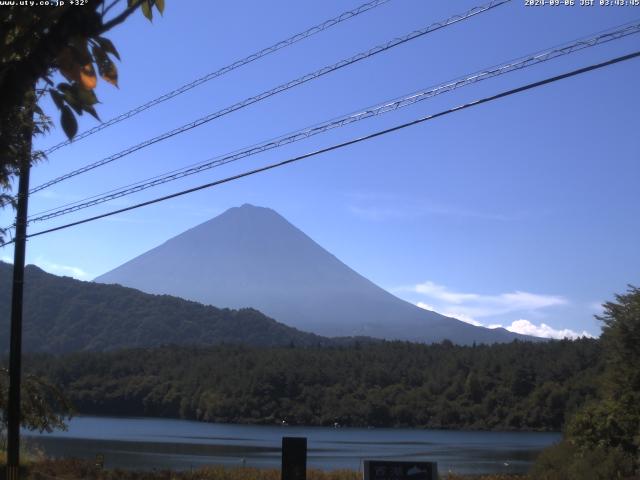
(513, 65)
(347, 143)
(224, 70)
(279, 89)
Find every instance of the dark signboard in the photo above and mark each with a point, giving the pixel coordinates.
(294, 458)
(392, 470)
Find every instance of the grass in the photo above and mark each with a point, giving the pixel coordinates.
(70, 469)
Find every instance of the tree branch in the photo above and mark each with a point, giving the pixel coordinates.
(106, 9)
(120, 18)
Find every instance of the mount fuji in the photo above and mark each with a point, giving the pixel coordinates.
(252, 257)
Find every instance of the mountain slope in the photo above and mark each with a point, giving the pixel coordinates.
(65, 315)
(252, 257)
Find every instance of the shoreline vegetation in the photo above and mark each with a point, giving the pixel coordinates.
(74, 469)
(519, 386)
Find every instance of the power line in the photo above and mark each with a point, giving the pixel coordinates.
(347, 143)
(280, 88)
(523, 62)
(224, 70)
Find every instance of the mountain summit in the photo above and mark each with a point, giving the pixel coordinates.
(252, 257)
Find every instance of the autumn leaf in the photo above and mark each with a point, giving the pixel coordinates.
(111, 74)
(106, 68)
(88, 79)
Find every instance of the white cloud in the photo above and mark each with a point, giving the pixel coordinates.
(7, 259)
(452, 314)
(471, 307)
(442, 293)
(475, 305)
(525, 327)
(67, 270)
(463, 317)
(426, 306)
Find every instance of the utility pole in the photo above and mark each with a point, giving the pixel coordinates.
(15, 352)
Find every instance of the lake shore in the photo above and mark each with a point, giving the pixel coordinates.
(143, 444)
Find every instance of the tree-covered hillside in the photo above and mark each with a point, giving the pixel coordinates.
(66, 315)
(602, 439)
(532, 386)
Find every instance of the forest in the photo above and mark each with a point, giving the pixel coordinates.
(517, 386)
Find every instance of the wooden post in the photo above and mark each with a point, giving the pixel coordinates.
(15, 347)
(294, 458)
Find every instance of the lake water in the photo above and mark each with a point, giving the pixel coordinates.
(147, 443)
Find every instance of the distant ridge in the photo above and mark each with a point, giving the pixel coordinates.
(252, 257)
(66, 315)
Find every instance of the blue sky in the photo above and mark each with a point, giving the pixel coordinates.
(522, 212)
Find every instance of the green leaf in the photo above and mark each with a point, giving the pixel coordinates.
(107, 46)
(146, 9)
(69, 123)
(57, 98)
(92, 112)
(64, 87)
(99, 55)
(71, 96)
(80, 50)
(86, 97)
(160, 6)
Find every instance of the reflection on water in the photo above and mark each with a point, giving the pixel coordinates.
(146, 443)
